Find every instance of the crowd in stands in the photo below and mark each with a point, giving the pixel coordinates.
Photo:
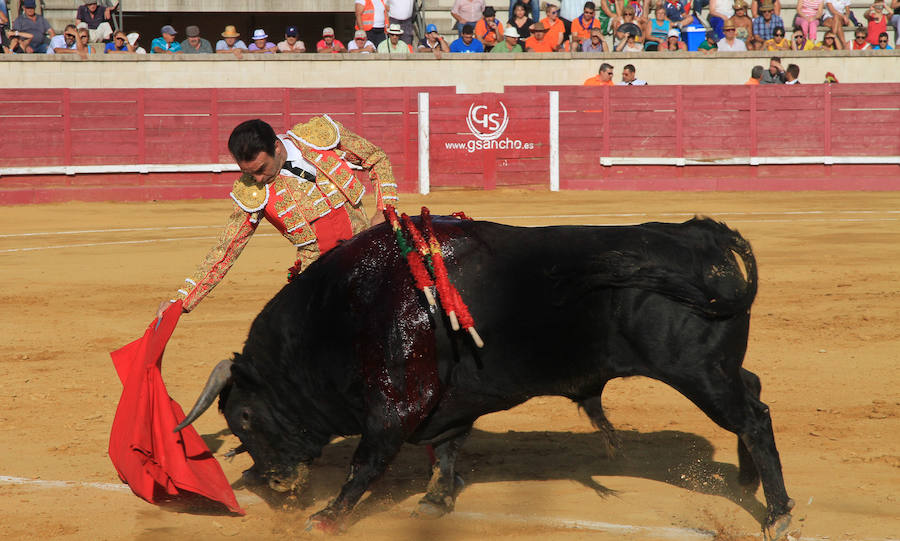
(568, 25)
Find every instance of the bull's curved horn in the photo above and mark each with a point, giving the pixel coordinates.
(219, 377)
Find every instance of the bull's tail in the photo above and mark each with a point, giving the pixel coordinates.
(700, 263)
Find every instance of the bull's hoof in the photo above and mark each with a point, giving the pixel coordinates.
(778, 528)
(324, 522)
(432, 510)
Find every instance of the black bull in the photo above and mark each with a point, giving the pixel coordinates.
(350, 347)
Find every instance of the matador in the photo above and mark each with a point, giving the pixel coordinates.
(303, 183)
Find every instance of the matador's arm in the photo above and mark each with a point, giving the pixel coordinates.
(362, 152)
(240, 226)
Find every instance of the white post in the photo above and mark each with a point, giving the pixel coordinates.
(554, 141)
(424, 132)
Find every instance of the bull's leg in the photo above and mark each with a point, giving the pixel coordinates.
(371, 458)
(727, 401)
(593, 407)
(749, 475)
(440, 496)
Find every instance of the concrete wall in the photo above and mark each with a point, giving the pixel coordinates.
(470, 73)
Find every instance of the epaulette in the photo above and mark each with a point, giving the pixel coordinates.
(319, 133)
(249, 195)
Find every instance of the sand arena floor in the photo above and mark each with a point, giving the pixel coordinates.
(83, 279)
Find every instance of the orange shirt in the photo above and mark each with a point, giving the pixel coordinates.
(543, 46)
(579, 29)
(485, 35)
(752, 81)
(554, 31)
(595, 81)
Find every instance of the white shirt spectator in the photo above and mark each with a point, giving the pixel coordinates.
(283, 47)
(840, 6)
(352, 46)
(59, 42)
(401, 9)
(725, 7)
(379, 12)
(738, 45)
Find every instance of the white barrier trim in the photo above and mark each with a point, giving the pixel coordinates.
(554, 140)
(424, 144)
(757, 160)
(139, 168)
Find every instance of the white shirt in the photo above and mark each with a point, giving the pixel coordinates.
(294, 156)
(840, 6)
(738, 45)
(59, 42)
(636, 82)
(725, 7)
(352, 46)
(795, 81)
(400, 9)
(379, 21)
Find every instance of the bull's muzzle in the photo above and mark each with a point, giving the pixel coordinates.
(291, 481)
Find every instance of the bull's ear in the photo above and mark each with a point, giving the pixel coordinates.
(218, 379)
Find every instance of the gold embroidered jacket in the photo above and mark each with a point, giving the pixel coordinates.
(292, 203)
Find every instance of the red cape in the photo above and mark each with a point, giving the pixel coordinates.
(159, 464)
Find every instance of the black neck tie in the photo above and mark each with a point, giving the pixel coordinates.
(300, 172)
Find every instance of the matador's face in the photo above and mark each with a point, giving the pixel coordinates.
(265, 167)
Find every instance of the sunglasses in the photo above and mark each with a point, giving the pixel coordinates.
(70, 35)
(554, 12)
(798, 37)
(882, 41)
(732, 30)
(778, 34)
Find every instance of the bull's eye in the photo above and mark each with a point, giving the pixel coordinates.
(245, 419)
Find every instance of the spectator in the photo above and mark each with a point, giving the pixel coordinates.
(97, 20)
(554, 26)
(877, 22)
(743, 25)
(809, 12)
(361, 44)
(467, 43)
(84, 42)
(15, 42)
(569, 10)
(371, 16)
(778, 41)
(584, 24)
(628, 27)
(836, 16)
(394, 45)
(603, 78)
(538, 42)
(510, 43)
(829, 43)
(261, 43)
(230, 44)
(719, 12)
(709, 44)
(883, 44)
(532, 10)
(628, 77)
(329, 45)
(194, 44)
(679, 12)
(608, 16)
(119, 44)
(657, 29)
(433, 41)
(521, 21)
(630, 44)
(36, 25)
(755, 75)
(133, 38)
(673, 42)
(292, 43)
(792, 75)
(895, 21)
(764, 26)
(66, 43)
(800, 43)
(466, 12)
(754, 7)
(860, 43)
(775, 74)
(756, 43)
(730, 41)
(165, 44)
(488, 29)
(401, 12)
(596, 44)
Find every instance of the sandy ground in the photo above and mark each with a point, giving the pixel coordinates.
(83, 279)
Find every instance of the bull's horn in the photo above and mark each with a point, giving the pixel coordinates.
(219, 377)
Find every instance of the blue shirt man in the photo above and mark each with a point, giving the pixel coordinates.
(166, 43)
(467, 43)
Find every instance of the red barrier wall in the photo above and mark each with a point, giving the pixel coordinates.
(78, 127)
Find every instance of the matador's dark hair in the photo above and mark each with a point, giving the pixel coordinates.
(250, 138)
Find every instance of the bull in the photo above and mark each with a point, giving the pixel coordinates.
(351, 347)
